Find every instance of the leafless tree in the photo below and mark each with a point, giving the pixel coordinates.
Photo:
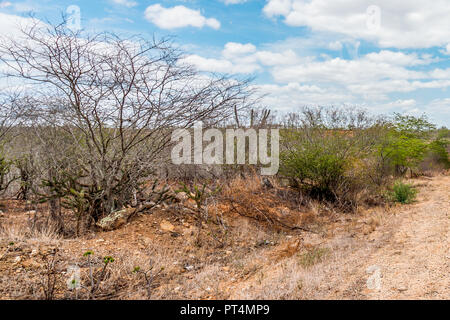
(12, 109)
(115, 102)
(10, 113)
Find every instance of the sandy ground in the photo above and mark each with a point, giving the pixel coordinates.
(392, 252)
(415, 262)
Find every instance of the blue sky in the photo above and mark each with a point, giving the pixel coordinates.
(387, 56)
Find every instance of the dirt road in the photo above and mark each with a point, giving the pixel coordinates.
(414, 263)
(405, 255)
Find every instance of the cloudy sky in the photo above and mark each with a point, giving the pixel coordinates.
(385, 55)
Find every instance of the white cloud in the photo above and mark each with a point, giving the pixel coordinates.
(399, 105)
(371, 77)
(293, 95)
(439, 110)
(26, 7)
(211, 65)
(178, 17)
(340, 71)
(5, 4)
(10, 25)
(447, 49)
(442, 74)
(400, 58)
(126, 3)
(277, 8)
(269, 58)
(244, 59)
(336, 45)
(221, 65)
(403, 24)
(233, 49)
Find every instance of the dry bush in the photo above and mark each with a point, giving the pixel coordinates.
(251, 184)
(250, 197)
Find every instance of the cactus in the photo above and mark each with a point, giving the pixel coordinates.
(198, 194)
(5, 169)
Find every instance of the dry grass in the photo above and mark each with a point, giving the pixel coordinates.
(308, 274)
(20, 231)
(277, 207)
(243, 258)
(227, 253)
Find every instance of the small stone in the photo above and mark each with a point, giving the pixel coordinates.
(181, 196)
(166, 226)
(402, 288)
(189, 268)
(30, 264)
(115, 220)
(191, 204)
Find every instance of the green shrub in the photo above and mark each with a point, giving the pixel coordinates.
(406, 143)
(443, 133)
(438, 150)
(415, 127)
(403, 193)
(315, 166)
(405, 152)
(328, 154)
